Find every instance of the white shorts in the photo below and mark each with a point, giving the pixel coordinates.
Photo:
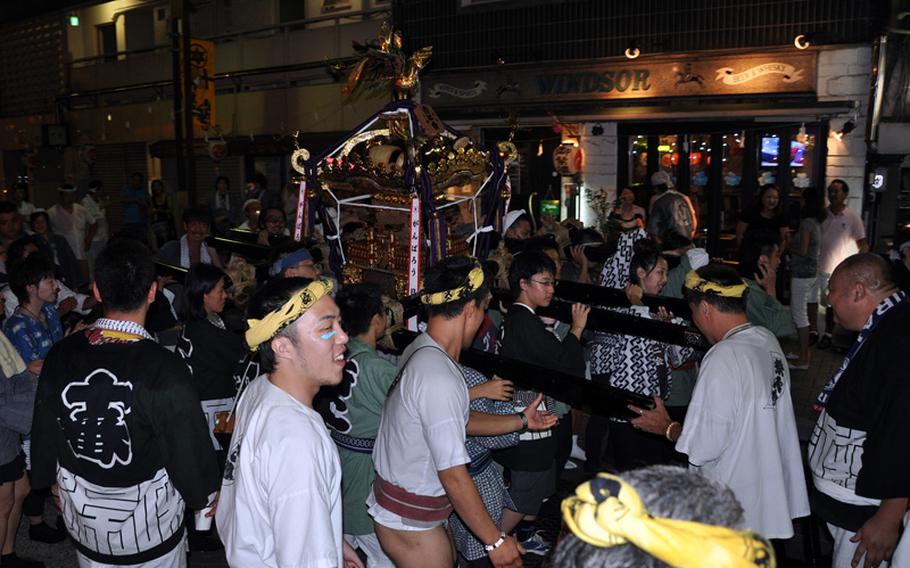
(176, 558)
(396, 522)
(803, 291)
(369, 544)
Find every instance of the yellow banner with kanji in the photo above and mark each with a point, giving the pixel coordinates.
(202, 73)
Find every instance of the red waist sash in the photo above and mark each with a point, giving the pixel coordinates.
(408, 505)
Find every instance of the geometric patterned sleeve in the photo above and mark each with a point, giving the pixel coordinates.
(485, 405)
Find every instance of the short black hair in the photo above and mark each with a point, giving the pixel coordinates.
(725, 276)
(645, 256)
(140, 175)
(755, 245)
(8, 207)
(36, 214)
(95, 184)
(17, 248)
(358, 304)
(267, 299)
(29, 272)
(196, 214)
(813, 206)
(842, 183)
(448, 274)
(124, 273)
(224, 179)
(201, 279)
(265, 213)
(526, 265)
(542, 243)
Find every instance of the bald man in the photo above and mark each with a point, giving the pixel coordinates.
(858, 449)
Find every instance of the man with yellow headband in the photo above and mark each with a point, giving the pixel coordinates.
(658, 516)
(281, 493)
(740, 428)
(420, 454)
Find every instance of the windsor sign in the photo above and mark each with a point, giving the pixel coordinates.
(780, 72)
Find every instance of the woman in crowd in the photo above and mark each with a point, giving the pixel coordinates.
(211, 351)
(626, 213)
(637, 364)
(764, 215)
(162, 217)
(273, 225)
(804, 272)
(56, 248)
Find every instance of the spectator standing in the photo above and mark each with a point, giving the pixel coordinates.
(626, 213)
(763, 216)
(10, 225)
(255, 186)
(135, 206)
(843, 234)
(57, 248)
(804, 273)
(117, 429)
(74, 223)
(900, 266)
(857, 451)
(95, 202)
(162, 214)
(223, 207)
(670, 210)
(20, 193)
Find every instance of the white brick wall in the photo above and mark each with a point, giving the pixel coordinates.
(600, 169)
(845, 74)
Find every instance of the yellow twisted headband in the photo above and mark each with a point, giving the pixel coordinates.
(696, 283)
(262, 330)
(607, 512)
(475, 281)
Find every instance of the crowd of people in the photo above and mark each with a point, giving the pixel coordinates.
(139, 406)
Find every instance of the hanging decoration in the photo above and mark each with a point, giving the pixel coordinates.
(567, 159)
(215, 143)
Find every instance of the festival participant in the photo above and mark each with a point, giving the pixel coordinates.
(858, 449)
(281, 501)
(273, 227)
(352, 408)
(250, 211)
(517, 225)
(420, 453)
(212, 352)
(191, 247)
(656, 517)
(532, 462)
(752, 445)
(117, 428)
(296, 262)
(670, 210)
(639, 365)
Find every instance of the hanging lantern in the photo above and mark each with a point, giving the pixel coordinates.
(567, 159)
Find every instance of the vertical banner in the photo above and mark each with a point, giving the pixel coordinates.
(414, 256)
(202, 70)
(301, 211)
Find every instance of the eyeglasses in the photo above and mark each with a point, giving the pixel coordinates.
(545, 283)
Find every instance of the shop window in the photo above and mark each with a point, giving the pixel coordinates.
(668, 155)
(802, 162)
(638, 160)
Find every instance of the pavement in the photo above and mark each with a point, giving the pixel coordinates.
(805, 385)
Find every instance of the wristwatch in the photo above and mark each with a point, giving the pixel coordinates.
(524, 420)
(491, 547)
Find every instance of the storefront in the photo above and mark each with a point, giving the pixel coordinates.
(721, 124)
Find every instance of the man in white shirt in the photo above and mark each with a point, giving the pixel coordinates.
(843, 235)
(95, 202)
(73, 222)
(420, 454)
(740, 428)
(280, 501)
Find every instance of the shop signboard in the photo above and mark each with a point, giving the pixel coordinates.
(202, 72)
(642, 78)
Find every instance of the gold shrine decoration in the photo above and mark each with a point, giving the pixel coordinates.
(384, 63)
